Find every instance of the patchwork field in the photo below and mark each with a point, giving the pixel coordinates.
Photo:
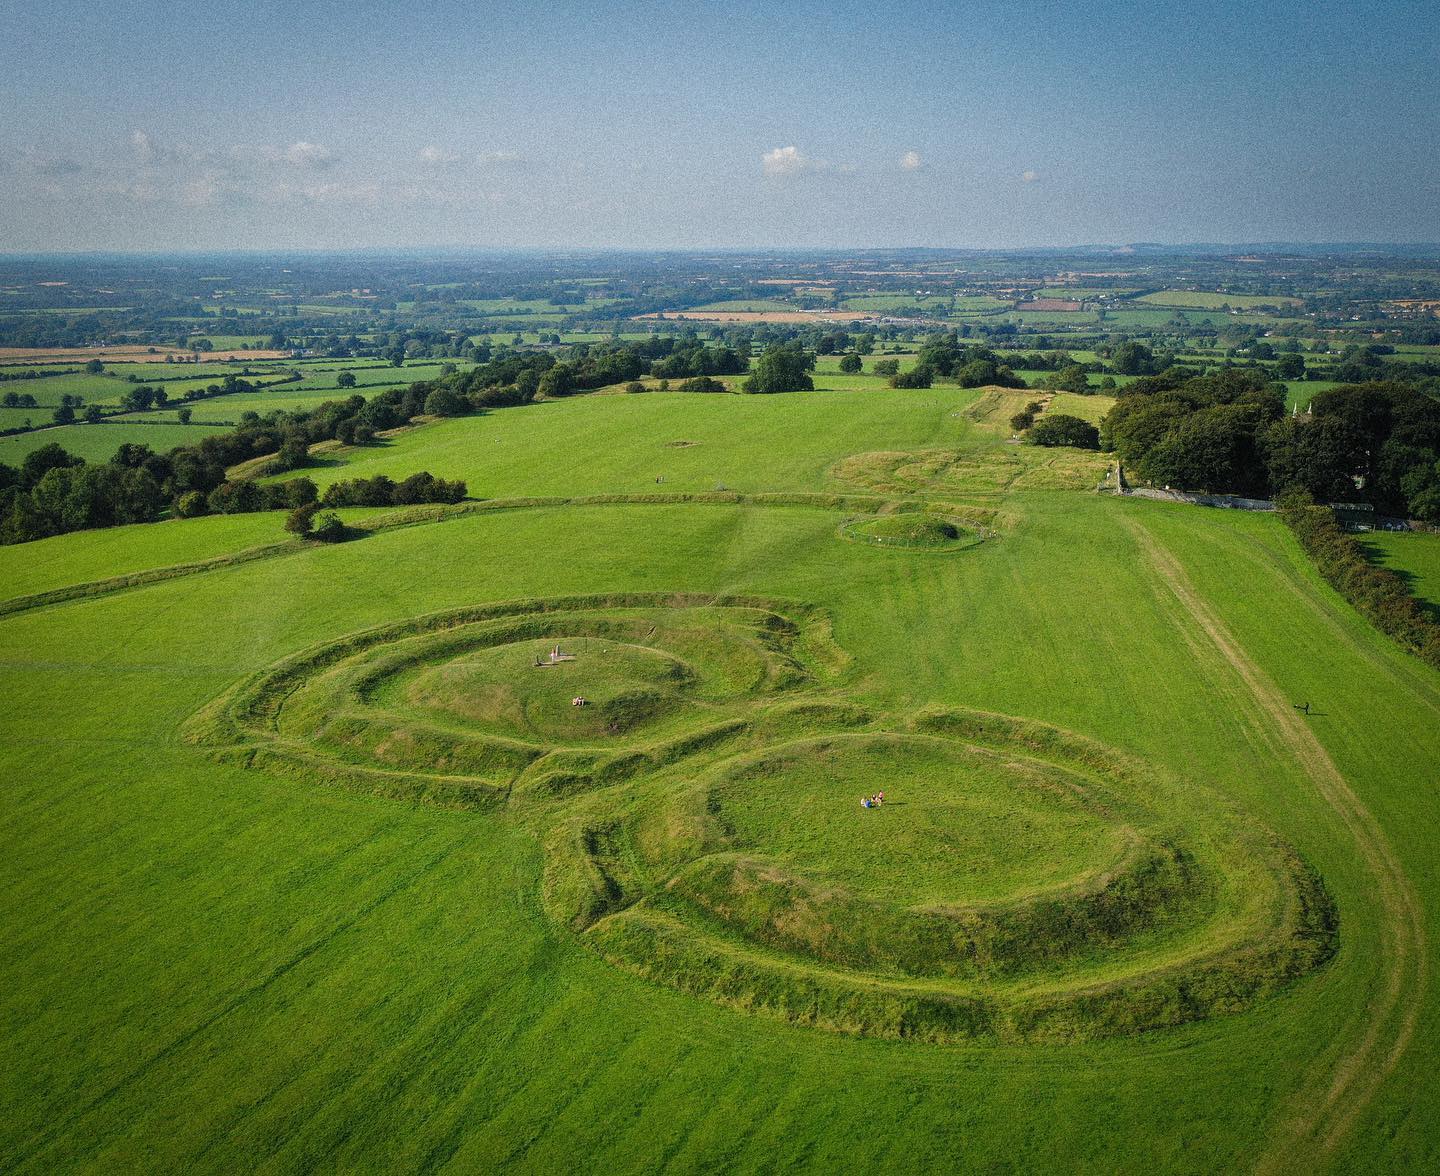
(125, 354)
(527, 833)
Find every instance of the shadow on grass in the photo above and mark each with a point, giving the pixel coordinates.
(1378, 557)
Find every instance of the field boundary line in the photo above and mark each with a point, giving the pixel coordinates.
(422, 516)
(1330, 1101)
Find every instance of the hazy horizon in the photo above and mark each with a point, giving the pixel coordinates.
(1117, 249)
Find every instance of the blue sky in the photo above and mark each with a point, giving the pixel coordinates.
(147, 125)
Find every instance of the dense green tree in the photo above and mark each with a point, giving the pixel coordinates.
(1060, 429)
(301, 520)
(557, 382)
(38, 462)
(978, 373)
(192, 504)
(1132, 359)
(1421, 487)
(1209, 450)
(446, 401)
(781, 368)
(850, 363)
(1071, 378)
(294, 453)
(920, 376)
(138, 399)
(1291, 366)
(240, 497)
(329, 528)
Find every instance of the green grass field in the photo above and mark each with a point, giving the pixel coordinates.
(1415, 556)
(308, 864)
(1301, 392)
(1083, 291)
(1087, 408)
(99, 442)
(747, 304)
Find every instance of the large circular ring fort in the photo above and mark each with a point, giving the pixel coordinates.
(721, 815)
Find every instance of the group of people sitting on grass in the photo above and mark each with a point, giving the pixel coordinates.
(578, 700)
(872, 801)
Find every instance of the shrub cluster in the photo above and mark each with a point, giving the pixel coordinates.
(969, 365)
(701, 384)
(1376, 592)
(1060, 429)
(328, 528)
(382, 491)
(1023, 419)
(519, 377)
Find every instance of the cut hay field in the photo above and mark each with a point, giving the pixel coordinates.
(1205, 300)
(312, 862)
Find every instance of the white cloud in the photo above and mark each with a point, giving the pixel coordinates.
(788, 161)
(1029, 177)
(500, 159)
(911, 161)
(437, 156)
(305, 154)
(151, 152)
(301, 153)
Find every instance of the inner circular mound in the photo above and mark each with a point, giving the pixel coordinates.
(910, 531)
(555, 688)
(957, 825)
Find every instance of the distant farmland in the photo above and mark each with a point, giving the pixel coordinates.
(1204, 300)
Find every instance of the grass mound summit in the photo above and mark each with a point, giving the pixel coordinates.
(911, 531)
(694, 767)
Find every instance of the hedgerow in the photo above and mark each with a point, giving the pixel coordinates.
(1377, 593)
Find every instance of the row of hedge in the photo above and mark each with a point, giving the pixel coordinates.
(1376, 592)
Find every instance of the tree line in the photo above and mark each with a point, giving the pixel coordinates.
(53, 492)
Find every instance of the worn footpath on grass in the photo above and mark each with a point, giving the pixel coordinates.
(1334, 1094)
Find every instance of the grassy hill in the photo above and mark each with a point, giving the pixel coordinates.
(305, 858)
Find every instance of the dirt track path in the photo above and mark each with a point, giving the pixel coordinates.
(1337, 1090)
